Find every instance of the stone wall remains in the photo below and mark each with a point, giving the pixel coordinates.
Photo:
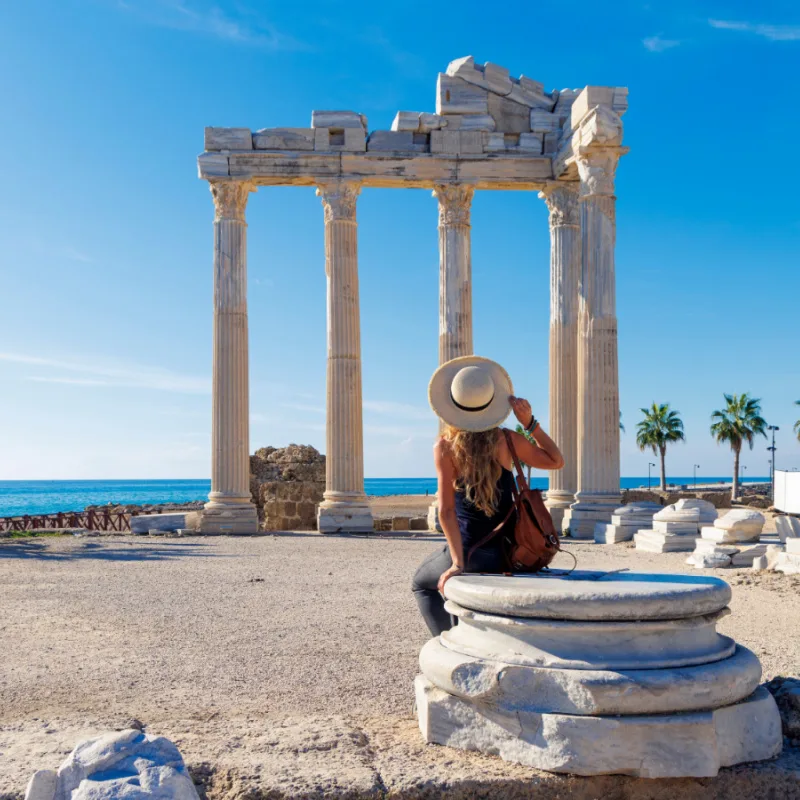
(287, 485)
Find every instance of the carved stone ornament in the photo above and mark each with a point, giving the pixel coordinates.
(230, 198)
(596, 169)
(339, 200)
(562, 202)
(455, 200)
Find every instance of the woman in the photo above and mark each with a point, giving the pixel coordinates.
(472, 396)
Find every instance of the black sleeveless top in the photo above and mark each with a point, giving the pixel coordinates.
(474, 524)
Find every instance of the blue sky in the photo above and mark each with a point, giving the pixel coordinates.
(105, 272)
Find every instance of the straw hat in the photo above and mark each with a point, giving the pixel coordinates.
(471, 393)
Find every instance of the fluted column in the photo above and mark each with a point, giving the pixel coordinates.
(565, 270)
(345, 506)
(230, 508)
(598, 379)
(455, 270)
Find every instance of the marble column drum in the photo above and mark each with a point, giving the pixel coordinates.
(598, 381)
(230, 508)
(565, 269)
(345, 507)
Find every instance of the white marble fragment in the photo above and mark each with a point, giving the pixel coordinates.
(509, 116)
(284, 139)
(497, 78)
(469, 122)
(694, 744)
(42, 785)
(494, 142)
(788, 563)
(228, 139)
(787, 527)
(391, 140)
(406, 121)
(456, 96)
(145, 523)
(792, 546)
(651, 541)
(213, 165)
(530, 142)
(431, 122)
(544, 121)
(338, 119)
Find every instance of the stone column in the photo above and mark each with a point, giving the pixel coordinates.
(455, 270)
(345, 506)
(565, 271)
(230, 508)
(598, 381)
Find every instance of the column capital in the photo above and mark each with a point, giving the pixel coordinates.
(562, 202)
(339, 199)
(597, 167)
(230, 198)
(455, 200)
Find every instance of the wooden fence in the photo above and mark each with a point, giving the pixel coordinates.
(95, 520)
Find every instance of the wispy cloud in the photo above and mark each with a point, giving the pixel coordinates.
(394, 409)
(657, 43)
(245, 26)
(775, 33)
(112, 375)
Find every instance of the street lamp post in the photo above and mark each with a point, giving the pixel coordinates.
(695, 467)
(772, 428)
(649, 464)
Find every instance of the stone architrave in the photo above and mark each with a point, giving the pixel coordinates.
(345, 507)
(229, 508)
(565, 268)
(455, 270)
(598, 381)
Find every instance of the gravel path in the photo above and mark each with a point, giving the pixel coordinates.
(222, 638)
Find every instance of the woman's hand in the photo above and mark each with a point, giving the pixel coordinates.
(446, 575)
(522, 410)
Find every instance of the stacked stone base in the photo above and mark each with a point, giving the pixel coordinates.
(653, 541)
(596, 674)
(228, 520)
(345, 518)
(625, 522)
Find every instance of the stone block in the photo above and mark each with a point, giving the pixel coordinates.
(284, 139)
(418, 524)
(351, 140)
(530, 98)
(544, 121)
(395, 140)
(322, 139)
(550, 144)
(587, 99)
(677, 528)
(656, 542)
(714, 534)
(787, 527)
(695, 744)
(342, 518)
(338, 119)
(530, 142)
(563, 107)
(229, 520)
(497, 78)
(792, 546)
(212, 165)
(509, 116)
(406, 121)
(401, 524)
(469, 122)
(144, 523)
(494, 142)
(788, 563)
(42, 785)
(745, 555)
(228, 139)
(470, 142)
(536, 87)
(613, 534)
(456, 96)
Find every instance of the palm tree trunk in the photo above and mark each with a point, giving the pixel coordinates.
(663, 453)
(735, 487)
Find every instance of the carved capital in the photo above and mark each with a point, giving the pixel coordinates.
(455, 200)
(230, 198)
(596, 168)
(339, 200)
(562, 202)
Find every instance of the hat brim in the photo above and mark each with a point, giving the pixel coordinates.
(444, 406)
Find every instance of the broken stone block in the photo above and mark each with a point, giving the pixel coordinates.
(535, 87)
(431, 122)
(394, 140)
(619, 102)
(228, 139)
(338, 119)
(588, 98)
(497, 78)
(510, 117)
(456, 96)
(530, 99)
(406, 121)
(284, 139)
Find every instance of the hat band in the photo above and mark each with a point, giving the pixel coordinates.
(471, 408)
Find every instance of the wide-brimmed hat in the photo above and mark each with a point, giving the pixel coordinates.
(471, 393)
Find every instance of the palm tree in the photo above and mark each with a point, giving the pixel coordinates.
(660, 427)
(740, 421)
(797, 424)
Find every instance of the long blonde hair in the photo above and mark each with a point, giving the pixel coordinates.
(473, 453)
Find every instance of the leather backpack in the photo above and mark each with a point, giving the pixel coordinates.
(534, 541)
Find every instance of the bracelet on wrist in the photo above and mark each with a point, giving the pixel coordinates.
(531, 427)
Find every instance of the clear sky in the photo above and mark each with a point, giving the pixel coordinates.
(105, 268)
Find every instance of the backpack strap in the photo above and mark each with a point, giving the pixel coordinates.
(521, 482)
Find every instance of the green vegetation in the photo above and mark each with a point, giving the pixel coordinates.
(661, 426)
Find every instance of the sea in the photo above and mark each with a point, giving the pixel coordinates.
(49, 497)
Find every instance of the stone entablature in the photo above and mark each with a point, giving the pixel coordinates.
(490, 130)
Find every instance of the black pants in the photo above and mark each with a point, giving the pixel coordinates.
(426, 579)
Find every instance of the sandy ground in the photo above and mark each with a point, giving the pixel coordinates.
(282, 665)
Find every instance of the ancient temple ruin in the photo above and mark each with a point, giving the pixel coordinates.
(489, 131)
